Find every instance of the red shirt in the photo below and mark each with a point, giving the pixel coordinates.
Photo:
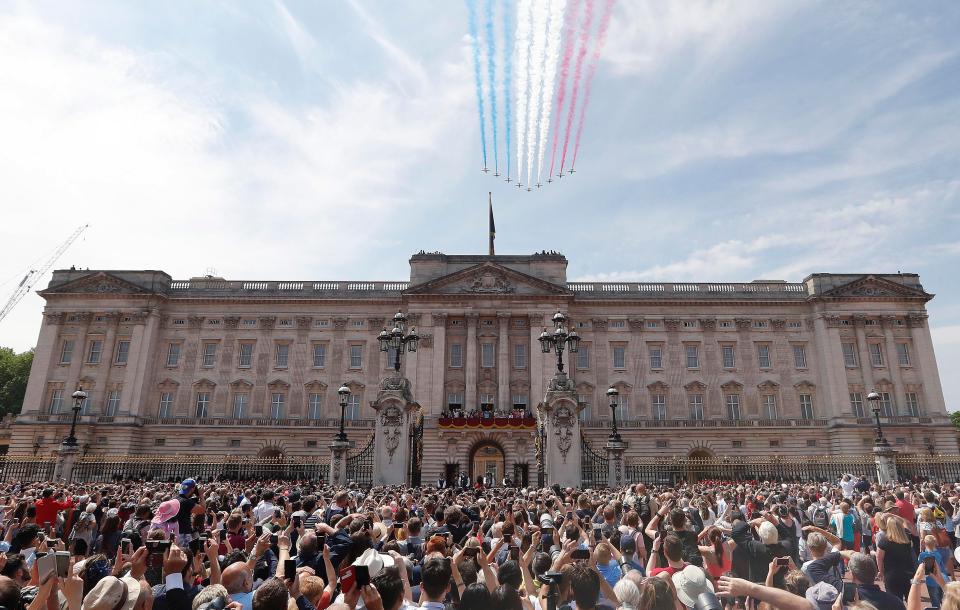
(47, 509)
(669, 570)
(906, 510)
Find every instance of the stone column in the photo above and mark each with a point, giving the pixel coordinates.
(504, 401)
(394, 409)
(893, 364)
(48, 346)
(866, 367)
(886, 460)
(471, 363)
(335, 361)
(616, 475)
(535, 321)
(438, 374)
(145, 332)
(66, 458)
(559, 413)
(338, 462)
(927, 361)
(833, 391)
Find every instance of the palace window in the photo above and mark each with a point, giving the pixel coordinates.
(583, 357)
(456, 355)
(770, 406)
(391, 358)
(653, 324)
(736, 444)
(95, 351)
(619, 357)
(66, 352)
(725, 324)
(763, 356)
(800, 356)
(856, 404)
(733, 407)
(123, 352)
(314, 406)
(913, 404)
(794, 324)
(519, 356)
(729, 355)
(277, 401)
(282, 355)
(618, 323)
(240, 405)
(696, 407)
(203, 404)
(85, 405)
(656, 357)
(245, 355)
(319, 355)
(487, 401)
(209, 355)
(876, 354)
(56, 401)
(903, 354)
(519, 402)
(486, 355)
(584, 403)
(760, 324)
(166, 405)
(173, 354)
(693, 357)
(353, 407)
(623, 407)
(658, 407)
(806, 406)
(113, 403)
(849, 354)
(356, 356)
(455, 401)
(887, 407)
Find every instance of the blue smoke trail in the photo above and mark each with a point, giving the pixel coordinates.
(472, 9)
(492, 77)
(507, 74)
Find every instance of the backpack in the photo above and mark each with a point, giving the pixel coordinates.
(691, 550)
(695, 519)
(643, 509)
(821, 517)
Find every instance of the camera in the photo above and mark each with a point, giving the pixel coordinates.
(551, 578)
(707, 601)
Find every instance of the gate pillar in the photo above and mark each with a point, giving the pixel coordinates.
(886, 461)
(615, 473)
(395, 410)
(559, 418)
(338, 462)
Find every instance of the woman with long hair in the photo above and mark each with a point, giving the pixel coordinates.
(109, 536)
(475, 597)
(717, 555)
(895, 559)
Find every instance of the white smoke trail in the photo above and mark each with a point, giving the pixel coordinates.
(538, 44)
(521, 62)
(557, 8)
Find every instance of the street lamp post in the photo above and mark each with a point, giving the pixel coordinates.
(559, 340)
(614, 395)
(874, 399)
(398, 339)
(344, 393)
(78, 397)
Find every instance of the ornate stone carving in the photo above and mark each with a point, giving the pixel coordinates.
(340, 323)
(376, 324)
(304, 322)
(563, 421)
(833, 321)
(413, 319)
(391, 422)
(267, 322)
(743, 323)
(426, 340)
(859, 319)
(535, 319)
(672, 324)
(810, 324)
(598, 323)
(916, 320)
(195, 321)
(778, 324)
(489, 282)
(636, 323)
(53, 318)
(561, 383)
(397, 384)
(708, 323)
(83, 317)
(439, 319)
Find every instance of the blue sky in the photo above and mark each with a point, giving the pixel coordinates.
(330, 140)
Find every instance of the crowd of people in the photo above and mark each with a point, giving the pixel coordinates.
(300, 545)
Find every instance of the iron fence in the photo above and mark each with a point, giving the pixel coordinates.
(360, 465)
(26, 468)
(594, 468)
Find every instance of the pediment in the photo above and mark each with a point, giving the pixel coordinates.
(99, 282)
(488, 279)
(873, 287)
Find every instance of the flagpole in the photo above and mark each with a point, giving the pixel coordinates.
(493, 228)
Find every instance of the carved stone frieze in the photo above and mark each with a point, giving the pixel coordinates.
(231, 322)
(859, 319)
(83, 317)
(778, 324)
(635, 323)
(426, 340)
(563, 422)
(743, 323)
(267, 322)
(414, 319)
(598, 323)
(195, 321)
(376, 324)
(304, 322)
(916, 320)
(489, 282)
(54, 318)
(439, 319)
(340, 323)
(833, 321)
(672, 324)
(708, 323)
(535, 319)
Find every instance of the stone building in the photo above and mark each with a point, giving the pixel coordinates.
(218, 367)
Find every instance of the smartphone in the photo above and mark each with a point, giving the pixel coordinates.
(46, 528)
(569, 514)
(46, 567)
(297, 521)
(929, 565)
(368, 524)
(63, 563)
(580, 555)
(363, 576)
(514, 553)
(273, 540)
(597, 534)
(783, 561)
(471, 551)
(51, 543)
(289, 569)
(321, 540)
(126, 546)
(194, 546)
(849, 593)
(348, 576)
(276, 513)
(258, 530)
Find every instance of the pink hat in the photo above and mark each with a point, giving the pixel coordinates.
(166, 511)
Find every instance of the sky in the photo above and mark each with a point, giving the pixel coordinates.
(304, 140)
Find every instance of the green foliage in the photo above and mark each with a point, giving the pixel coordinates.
(955, 418)
(14, 371)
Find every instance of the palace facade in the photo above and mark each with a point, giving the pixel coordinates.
(218, 367)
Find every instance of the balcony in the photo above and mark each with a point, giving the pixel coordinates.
(692, 290)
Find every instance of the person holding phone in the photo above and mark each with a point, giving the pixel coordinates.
(935, 571)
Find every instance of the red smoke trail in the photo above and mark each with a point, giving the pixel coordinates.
(578, 70)
(591, 71)
(569, 29)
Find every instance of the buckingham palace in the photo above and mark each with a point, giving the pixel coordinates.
(219, 367)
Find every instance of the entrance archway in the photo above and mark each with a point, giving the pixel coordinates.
(487, 458)
(699, 465)
(270, 453)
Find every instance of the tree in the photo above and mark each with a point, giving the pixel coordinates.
(955, 418)
(14, 371)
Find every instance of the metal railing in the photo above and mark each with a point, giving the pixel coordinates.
(286, 288)
(779, 290)
(704, 423)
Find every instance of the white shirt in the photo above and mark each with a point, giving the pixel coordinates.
(264, 510)
(847, 487)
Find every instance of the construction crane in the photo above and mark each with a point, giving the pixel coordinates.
(34, 275)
